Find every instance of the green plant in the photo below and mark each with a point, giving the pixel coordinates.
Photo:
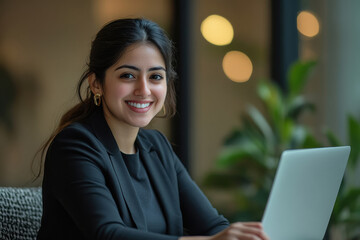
(347, 207)
(247, 164)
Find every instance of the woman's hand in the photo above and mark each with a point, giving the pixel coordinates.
(237, 231)
(242, 231)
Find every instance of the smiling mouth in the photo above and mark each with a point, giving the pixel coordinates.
(139, 105)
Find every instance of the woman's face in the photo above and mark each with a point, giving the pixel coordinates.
(135, 87)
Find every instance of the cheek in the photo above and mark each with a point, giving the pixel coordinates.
(160, 92)
(118, 91)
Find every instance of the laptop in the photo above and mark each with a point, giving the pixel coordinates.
(304, 191)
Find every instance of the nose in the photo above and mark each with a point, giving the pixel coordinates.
(142, 88)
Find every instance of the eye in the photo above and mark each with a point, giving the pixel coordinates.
(156, 77)
(127, 76)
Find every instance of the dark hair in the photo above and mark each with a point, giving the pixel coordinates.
(107, 47)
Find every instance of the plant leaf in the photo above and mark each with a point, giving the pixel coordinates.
(262, 124)
(273, 99)
(234, 137)
(230, 156)
(298, 75)
(297, 106)
(354, 138)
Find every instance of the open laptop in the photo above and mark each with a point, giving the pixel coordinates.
(304, 191)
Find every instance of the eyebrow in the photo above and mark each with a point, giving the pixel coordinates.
(138, 69)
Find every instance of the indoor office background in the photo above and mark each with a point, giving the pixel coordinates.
(44, 46)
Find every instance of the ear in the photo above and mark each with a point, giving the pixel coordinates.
(94, 84)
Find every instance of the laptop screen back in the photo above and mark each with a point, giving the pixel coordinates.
(304, 191)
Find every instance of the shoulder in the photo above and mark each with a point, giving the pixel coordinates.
(74, 132)
(77, 136)
(76, 145)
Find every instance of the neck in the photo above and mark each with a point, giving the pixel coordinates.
(124, 134)
(125, 139)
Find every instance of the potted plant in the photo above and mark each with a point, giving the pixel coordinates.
(247, 164)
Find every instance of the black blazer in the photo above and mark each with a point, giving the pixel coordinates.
(87, 193)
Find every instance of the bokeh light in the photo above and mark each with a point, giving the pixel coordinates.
(307, 24)
(237, 66)
(217, 30)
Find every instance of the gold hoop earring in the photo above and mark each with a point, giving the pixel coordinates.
(97, 99)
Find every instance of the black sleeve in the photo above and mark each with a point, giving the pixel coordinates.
(199, 216)
(74, 170)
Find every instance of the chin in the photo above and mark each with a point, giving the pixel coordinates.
(141, 124)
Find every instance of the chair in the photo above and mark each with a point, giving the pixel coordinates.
(20, 213)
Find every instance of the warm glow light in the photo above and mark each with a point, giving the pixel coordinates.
(237, 66)
(307, 24)
(217, 30)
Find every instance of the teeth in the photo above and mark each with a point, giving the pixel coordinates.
(138, 105)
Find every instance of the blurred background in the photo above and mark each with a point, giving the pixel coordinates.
(225, 51)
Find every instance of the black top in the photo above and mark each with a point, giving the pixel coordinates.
(88, 192)
(149, 203)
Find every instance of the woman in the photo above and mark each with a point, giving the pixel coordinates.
(104, 176)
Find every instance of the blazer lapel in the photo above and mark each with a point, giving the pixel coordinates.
(104, 134)
(128, 191)
(166, 193)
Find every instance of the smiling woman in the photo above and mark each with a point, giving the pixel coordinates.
(107, 178)
(133, 91)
